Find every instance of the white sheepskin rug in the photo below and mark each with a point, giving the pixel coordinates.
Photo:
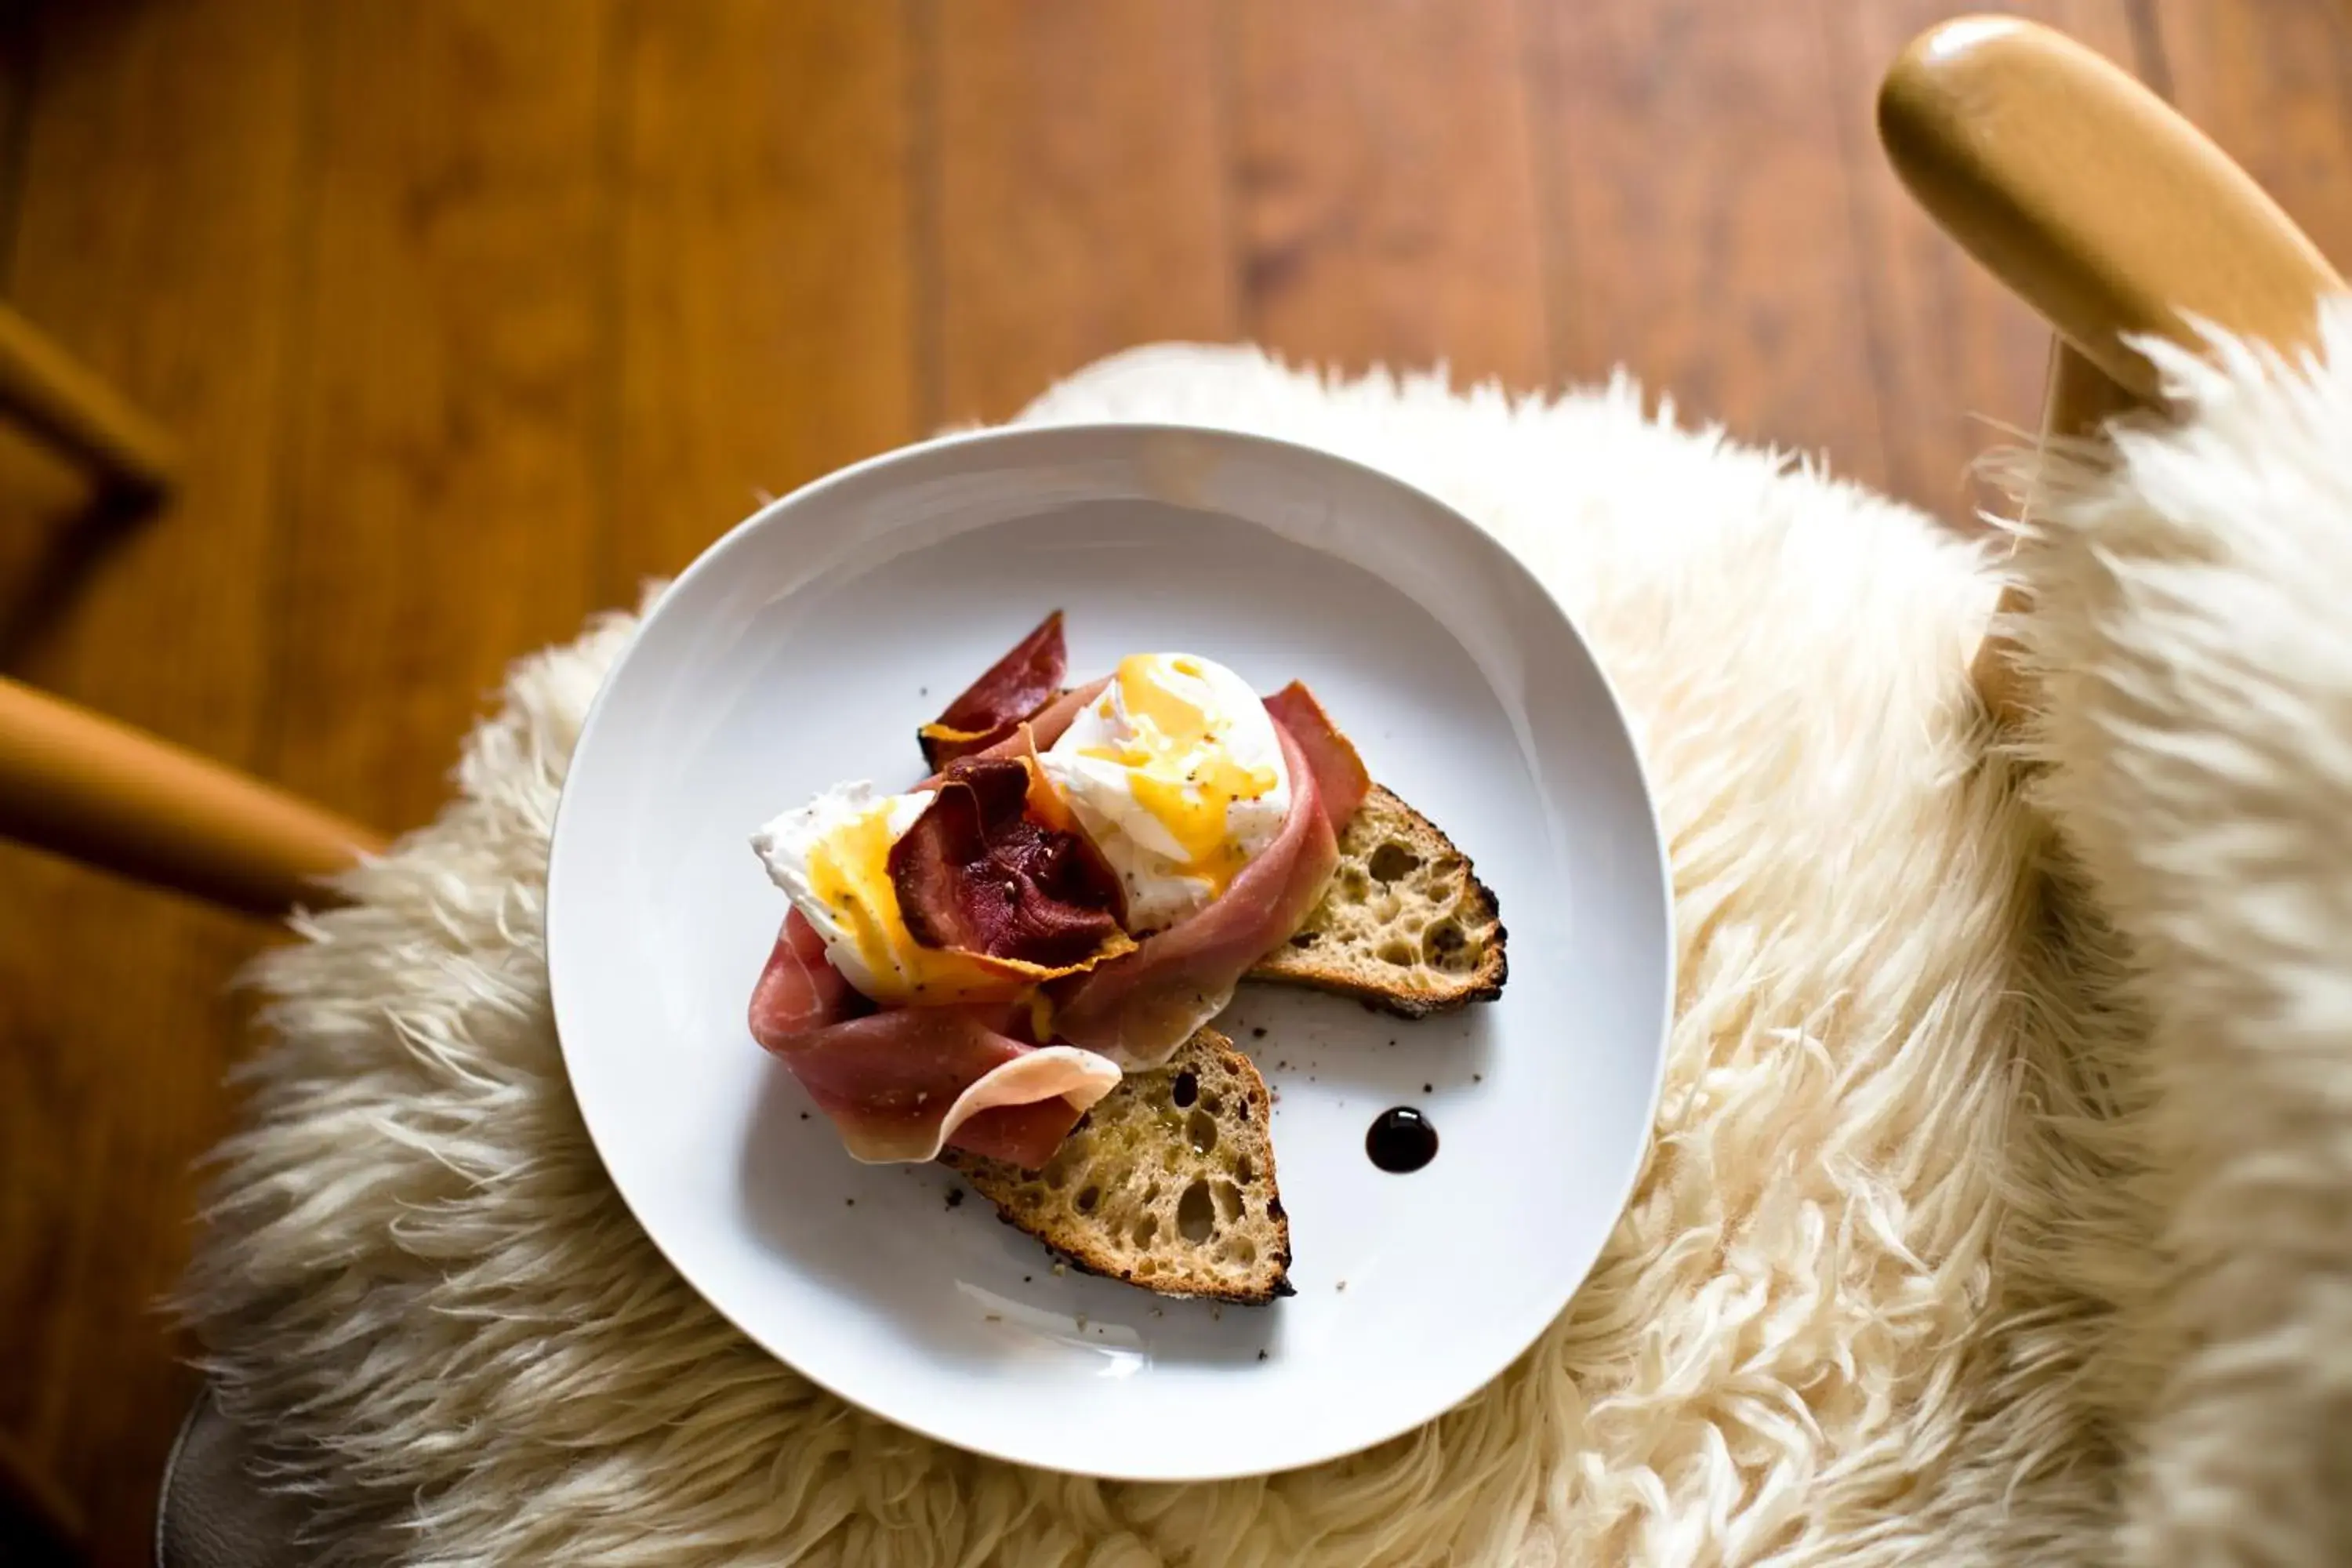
(1942, 1254)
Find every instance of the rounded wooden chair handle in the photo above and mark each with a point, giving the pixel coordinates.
(2090, 196)
(2098, 205)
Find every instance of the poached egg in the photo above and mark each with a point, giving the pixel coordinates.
(1177, 775)
(831, 858)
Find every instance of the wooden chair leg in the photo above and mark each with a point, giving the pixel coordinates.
(83, 786)
(43, 389)
(39, 1526)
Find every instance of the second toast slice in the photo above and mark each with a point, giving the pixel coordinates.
(1167, 1183)
(1406, 924)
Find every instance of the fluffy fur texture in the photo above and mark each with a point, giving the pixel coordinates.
(2197, 724)
(1888, 1290)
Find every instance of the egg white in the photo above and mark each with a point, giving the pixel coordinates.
(1148, 858)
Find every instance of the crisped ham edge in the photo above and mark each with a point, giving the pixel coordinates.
(1044, 729)
(1016, 688)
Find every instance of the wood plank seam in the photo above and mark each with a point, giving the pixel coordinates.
(608, 414)
(297, 407)
(20, 60)
(1861, 157)
(926, 281)
(1555, 251)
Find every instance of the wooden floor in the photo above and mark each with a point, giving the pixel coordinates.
(475, 313)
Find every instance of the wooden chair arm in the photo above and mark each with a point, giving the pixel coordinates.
(46, 390)
(2090, 196)
(2100, 207)
(84, 786)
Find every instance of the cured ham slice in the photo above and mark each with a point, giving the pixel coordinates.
(1046, 727)
(799, 989)
(1015, 687)
(1339, 772)
(977, 874)
(901, 1084)
(1138, 1010)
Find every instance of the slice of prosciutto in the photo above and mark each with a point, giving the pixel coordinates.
(978, 873)
(1138, 1009)
(903, 1083)
(1339, 772)
(1016, 688)
(1040, 730)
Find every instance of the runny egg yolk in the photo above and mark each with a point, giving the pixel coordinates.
(1179, 769)
(849, 879)
(849, 874)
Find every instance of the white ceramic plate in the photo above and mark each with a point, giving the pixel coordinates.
(804, 648)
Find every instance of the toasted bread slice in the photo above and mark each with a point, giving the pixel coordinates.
(1406, 925)
(1168, 1183)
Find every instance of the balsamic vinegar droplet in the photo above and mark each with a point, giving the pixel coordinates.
(1402, 1139)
